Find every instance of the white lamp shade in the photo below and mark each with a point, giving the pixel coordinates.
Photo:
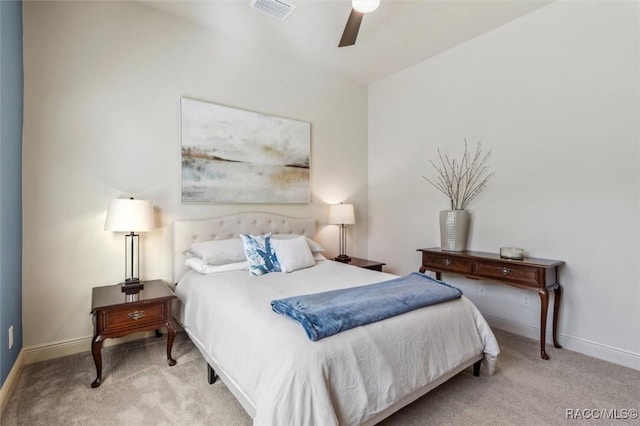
(129, 216)
(365, 6)
(341, 214)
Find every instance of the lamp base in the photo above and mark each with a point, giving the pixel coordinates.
(131, 286)
(343, 258)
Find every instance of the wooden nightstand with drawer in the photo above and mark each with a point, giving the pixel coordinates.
(116, 314)
(529, 273)
(363, 263)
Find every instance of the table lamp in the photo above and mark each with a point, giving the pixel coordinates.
(131, 216)
(342, 214)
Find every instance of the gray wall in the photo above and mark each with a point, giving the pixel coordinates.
(11, 87)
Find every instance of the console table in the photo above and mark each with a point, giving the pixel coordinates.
(529, 273)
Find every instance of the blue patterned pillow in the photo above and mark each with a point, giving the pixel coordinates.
(260, 254)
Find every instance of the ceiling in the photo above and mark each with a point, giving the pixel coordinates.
(399, 34)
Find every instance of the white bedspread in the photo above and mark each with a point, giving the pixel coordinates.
(345, 379)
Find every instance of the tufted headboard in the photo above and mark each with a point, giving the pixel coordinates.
(186, 232)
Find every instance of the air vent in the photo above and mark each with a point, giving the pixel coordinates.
(276, 8)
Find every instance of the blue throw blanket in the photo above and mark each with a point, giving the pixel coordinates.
(328, 313)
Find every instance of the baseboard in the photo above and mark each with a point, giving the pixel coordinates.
(73, 346)
(9, 385)
(576, 344)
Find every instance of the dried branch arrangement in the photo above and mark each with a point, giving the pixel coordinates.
(461, 180)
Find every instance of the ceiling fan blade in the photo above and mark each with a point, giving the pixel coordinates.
(351, 29)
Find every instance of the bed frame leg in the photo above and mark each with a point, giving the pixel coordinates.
(476, 368)
(211, 375)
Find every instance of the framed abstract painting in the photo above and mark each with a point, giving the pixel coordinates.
(230, 155)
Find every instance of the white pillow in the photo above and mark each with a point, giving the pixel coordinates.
(315, 247)
(293, 254)
(201, 267)
(219, 252)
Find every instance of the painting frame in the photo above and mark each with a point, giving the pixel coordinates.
(231, 155)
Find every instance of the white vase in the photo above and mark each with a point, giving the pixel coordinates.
(454, 228)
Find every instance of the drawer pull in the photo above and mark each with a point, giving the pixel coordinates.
(447, 262)
(136, 315)
(505, 271)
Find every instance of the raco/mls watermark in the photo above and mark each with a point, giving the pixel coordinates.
(601, 413)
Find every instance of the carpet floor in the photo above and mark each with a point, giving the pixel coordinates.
(139, 388)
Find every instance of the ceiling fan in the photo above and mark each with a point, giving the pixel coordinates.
(358, 9)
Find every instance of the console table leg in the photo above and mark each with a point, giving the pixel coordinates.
(96, 348)
(544, 304)
(557, 296)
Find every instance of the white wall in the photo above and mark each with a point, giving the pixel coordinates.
(102, 86)
(555, 96)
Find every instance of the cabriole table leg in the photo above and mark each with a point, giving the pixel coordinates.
(96, 348)
(171, 331)
(557, 297)
(544, 305)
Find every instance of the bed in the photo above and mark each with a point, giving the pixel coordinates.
(356, 377)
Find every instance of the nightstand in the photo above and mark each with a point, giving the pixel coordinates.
(116, 314)
(365, 263)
